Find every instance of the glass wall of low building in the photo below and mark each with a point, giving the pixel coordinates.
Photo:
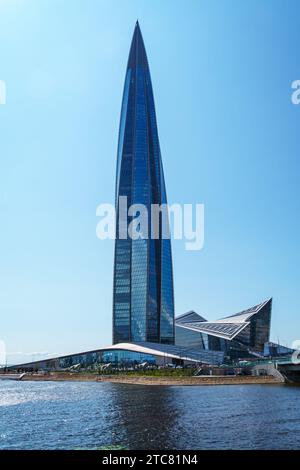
(199, 341)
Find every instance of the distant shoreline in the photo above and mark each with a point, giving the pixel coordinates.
(152, 380)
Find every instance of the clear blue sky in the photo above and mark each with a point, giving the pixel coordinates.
(222, 73)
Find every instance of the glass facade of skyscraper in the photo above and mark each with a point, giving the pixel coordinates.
(143, 298)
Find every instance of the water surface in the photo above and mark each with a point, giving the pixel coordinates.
(70, 415)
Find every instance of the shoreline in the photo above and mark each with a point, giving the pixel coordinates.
(155, 381)
(193, 381)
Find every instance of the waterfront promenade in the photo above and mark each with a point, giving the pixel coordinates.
(154, 380)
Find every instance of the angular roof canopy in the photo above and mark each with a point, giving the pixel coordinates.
(226, 328)
(190, 316)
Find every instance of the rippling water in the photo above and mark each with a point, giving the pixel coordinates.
(66, 415)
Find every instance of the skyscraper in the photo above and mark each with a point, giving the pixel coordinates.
(143, 298)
